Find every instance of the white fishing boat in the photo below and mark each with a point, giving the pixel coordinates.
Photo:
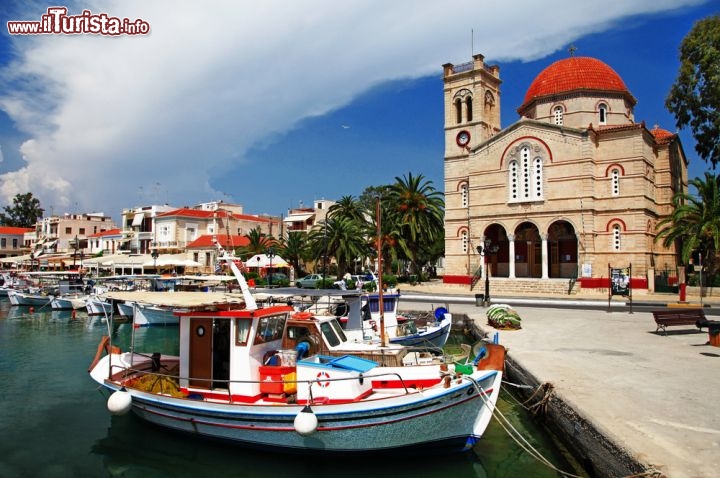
(145, 315)
(126, 309)
(98, 306)
(275, 378)
(432, 332)
(33, 297)
(76, 301)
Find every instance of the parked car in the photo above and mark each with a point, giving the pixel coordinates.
(309, 281)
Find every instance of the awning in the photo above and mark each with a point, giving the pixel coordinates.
(138, 219)
(298, 218)
(262, 260)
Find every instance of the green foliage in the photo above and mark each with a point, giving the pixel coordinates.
(694, 225)
(694, 98)
(24, 212)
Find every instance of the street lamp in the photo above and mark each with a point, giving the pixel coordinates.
(270, 252)
(489, 249)
(324, 253)
(76, 250)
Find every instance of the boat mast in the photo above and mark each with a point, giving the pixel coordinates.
(381, 306)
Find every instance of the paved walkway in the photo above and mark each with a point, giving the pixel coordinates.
(654, 396)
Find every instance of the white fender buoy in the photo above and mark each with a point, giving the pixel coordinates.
(119, 402)
(306, 422)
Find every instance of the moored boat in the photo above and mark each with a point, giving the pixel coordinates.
(295, 382)
(273, 377)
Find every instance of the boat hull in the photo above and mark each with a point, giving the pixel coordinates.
(145, 316)
(435, 338)
(98, 307)
(450, 420)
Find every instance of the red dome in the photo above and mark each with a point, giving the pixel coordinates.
(574, 73)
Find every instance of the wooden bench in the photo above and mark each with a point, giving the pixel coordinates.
(671, 317)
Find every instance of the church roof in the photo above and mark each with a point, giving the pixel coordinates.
(661, 135)
(572, 74)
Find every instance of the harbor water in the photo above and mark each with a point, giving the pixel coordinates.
(55, 423)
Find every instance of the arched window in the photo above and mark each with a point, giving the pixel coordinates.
(558, 115)
(468, 104)
(458, 111)
(464, 195)
(525, 177)
(464, 239)
(616, 237)
(602, 113)
(615, 181)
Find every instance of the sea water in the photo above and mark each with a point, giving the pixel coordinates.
(54, 421)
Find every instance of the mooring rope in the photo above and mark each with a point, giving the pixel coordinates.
(514, 434)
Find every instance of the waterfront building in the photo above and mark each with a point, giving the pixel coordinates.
(576, 185)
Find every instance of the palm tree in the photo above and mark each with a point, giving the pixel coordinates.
(341, 238)
(349, 208)
(695, 222)
(258, 244)
(417, 208)
(294, 249)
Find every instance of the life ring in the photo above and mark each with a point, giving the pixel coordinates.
(302, 315)
(323, 376)
(373, 324)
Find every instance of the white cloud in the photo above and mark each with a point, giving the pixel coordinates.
(110, 116)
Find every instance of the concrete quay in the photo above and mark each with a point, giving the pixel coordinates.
(627, 401)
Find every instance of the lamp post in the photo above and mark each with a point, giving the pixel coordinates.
(76, 249)
(324, 253)
(270, 252)
(488, 249)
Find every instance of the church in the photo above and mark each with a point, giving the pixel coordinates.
(568, 193)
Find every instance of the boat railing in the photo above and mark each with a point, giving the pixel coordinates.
(127, 376)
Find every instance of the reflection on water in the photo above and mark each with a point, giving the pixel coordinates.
(61, 427)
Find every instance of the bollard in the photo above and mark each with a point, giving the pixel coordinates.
(683, 292)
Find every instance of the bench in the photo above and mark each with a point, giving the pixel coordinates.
(671, 317)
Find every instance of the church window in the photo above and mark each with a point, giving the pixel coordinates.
(602, 111)
(525, 177)
(616, 237)
(615, 181)
(464, 238)
(458, 111)
(464, 195)
(468, 104)
(558, 115)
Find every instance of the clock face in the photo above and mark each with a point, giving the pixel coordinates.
(463, 138)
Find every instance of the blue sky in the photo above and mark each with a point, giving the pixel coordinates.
(275, 104)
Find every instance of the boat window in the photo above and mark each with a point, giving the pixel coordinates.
(329, 334)
(270, 328)
(242, 331)
(339, 330)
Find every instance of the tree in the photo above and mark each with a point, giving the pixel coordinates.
(25, 211)
(695, 223)
(694, 98)
(417, 210)
(294, 249)
(258, 244)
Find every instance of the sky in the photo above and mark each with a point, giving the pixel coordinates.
(276, 104)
